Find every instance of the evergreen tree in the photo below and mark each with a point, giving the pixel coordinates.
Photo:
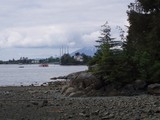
(140, 57)
(143, 40)
(66, 59)
(111, 64)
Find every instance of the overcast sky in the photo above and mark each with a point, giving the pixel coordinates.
(38, 28)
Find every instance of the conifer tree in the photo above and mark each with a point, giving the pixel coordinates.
(143, 40)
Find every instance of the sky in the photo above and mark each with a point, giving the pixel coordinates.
(39, 28)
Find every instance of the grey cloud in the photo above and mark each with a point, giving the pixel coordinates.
(22, 12)
(28, 23)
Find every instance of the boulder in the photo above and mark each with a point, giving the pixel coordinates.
(154, 89)
(76, 94)
(73, 75)
(128, 90)
(60, 77)
(110, 90)
(64, 88)
(69, 91)
(90, 85)
(80, 83)
(83, 80)
(139, 84)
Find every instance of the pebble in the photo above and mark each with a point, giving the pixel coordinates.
(69, 117)
(84, 115)
(44, 103)
(142, 107)
(95, 112)
(35, 103)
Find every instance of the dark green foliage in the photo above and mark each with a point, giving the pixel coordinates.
(143, 40)
(1, 62)
(140, 57)
(86, 59)
(96, 58)
(112, 65)
(155, 72)
(121, 70)
(150, 5)
(66, 59)
(53, 60)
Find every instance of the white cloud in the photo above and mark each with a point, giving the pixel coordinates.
(89, 39)
(47, 36)
(42, 36)
(53, 23)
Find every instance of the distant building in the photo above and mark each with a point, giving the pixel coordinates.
(78, 57)
(35, 61)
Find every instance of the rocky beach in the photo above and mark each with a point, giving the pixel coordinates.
(47, 103)
(80, 60)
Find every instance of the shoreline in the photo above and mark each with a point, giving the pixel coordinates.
(12, 75)
(47, 103)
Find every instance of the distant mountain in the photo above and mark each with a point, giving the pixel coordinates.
(90, 51)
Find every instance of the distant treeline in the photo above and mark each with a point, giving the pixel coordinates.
(77, 59)
(66, 59)
(25, 60)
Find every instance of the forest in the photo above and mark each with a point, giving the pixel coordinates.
(139, 57)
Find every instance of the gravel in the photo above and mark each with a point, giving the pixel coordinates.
(46, 103)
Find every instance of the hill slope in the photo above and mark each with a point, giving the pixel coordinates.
(90, 51)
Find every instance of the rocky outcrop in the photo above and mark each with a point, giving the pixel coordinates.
(154, 89)
(69, 90)
(86, 84)
(85, 80)
(80, 83)
(77, 94)
(60, 77)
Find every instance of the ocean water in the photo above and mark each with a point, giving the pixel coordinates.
(12, 75)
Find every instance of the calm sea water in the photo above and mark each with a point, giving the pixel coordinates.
(12, 75)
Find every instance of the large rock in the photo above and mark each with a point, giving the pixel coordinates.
(84, 80)
(128, 90)
(90, 85)
(64, 88)
(69, 90)
(76, 94)
(80, 83)
(139, 84)
(154, 89)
